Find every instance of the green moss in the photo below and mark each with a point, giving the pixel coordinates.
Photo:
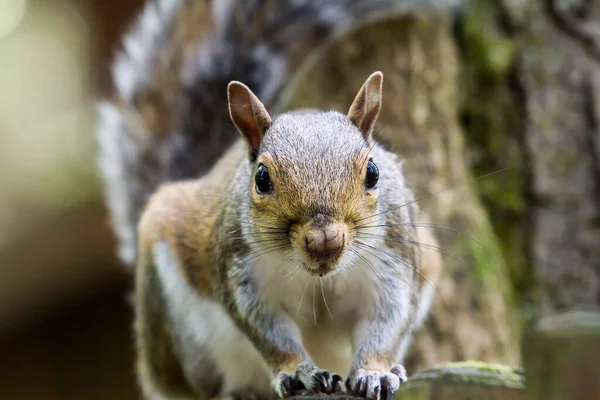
(491, 53)
(469, 372)
(492, 119)
(483, 252)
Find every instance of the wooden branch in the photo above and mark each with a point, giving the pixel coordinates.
(455, 381)
(562, 358)
(464, 381)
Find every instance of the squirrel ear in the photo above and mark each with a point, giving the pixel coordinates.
(364, 111)
(248, 114)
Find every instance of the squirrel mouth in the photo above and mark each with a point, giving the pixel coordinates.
(320, 270)
(324, 269)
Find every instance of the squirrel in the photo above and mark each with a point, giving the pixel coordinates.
(270, 254)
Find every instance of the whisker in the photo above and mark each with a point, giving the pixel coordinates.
(413, 295)
(369, 264)
(216, 214)
(296, 271)
(396, 257)
(302, 297)
(433, 194)
(325, 300)
(314, 301)
(288, 271)
(439, 227)
(263, 233)
(245, 202)
(366, 249)
(442, 250)
(414, 268)
(261, 252)
(272, 240)
(385, 224)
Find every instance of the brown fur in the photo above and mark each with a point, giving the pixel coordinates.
(205, 223)
(170, 124)
(184, 215)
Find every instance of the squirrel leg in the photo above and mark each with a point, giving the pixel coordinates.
(278, 339)
(215, 356)
(378, 338)
(375, 376)
(159, 372)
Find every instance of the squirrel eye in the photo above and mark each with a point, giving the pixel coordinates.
(372, 175)
(262, 180)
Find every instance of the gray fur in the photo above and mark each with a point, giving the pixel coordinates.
(321, 161)
(261, 43)
(314, 152)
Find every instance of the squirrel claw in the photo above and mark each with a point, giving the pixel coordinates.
(318, 380)
(286, 385)
(307, 379)
(327, 382)
(376, 385)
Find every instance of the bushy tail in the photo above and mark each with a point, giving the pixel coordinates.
(169, 118)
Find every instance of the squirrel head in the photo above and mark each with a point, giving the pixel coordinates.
(312, 176)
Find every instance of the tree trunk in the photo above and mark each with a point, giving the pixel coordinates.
(532, 79)
(560, 74)
(471, 317)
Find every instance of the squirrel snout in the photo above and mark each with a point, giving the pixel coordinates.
(325, 244)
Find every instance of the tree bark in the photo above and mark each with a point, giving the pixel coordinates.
(471, 317)
(559, 70)
(534, 109)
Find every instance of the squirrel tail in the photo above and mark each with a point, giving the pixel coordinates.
(168, 118)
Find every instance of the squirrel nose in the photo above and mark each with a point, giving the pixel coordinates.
(324, 244)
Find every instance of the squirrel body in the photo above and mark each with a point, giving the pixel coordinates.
(182, 232)
(267, 264)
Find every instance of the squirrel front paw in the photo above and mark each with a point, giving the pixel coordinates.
(306, 378)
(376, 385)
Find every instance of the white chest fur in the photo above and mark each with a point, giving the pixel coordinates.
(325, 309)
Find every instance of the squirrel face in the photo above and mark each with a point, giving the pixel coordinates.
(313, 175)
